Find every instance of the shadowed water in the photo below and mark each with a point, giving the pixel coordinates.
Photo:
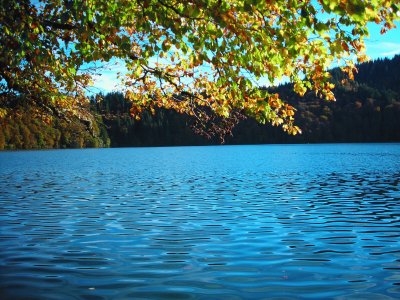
(228, 222)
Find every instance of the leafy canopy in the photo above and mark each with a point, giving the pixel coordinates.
(204, 58)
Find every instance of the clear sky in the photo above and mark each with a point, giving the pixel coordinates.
(378, 46)
(383, 45)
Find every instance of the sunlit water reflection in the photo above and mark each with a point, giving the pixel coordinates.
(229, 222)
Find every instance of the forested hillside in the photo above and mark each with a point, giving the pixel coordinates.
(25, 130)
(367, 110)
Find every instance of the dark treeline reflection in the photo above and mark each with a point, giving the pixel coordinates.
(367, 110)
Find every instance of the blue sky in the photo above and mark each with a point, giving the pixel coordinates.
(378, 46)
(383, 45)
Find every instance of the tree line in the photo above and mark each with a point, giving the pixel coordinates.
(367, 109)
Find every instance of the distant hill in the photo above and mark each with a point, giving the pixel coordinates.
(367, 110)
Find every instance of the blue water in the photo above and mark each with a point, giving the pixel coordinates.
(227, 222)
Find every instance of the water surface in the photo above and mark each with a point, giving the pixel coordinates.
(227, 222)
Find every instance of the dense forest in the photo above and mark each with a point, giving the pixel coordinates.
(367, 110)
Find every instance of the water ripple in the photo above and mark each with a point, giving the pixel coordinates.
(283, 222)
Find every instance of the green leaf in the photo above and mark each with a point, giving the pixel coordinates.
(320, 27)
(211, 27)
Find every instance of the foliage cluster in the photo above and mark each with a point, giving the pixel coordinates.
(202, 58)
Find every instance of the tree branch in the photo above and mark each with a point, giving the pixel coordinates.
(57, 25)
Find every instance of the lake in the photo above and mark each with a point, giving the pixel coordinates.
(224, 222)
